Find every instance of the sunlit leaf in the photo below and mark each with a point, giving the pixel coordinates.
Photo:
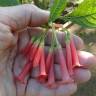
(56, 9)
(84, 14)
(25, 1)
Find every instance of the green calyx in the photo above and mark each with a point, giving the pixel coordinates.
(67, 36)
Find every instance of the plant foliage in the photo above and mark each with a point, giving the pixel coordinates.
(25, 1)
(8, 2)
(84, 14)
(56, 9)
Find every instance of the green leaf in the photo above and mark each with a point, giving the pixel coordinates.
(56, 9)
(20, 1)
(84, 14)
(25, 1)
(8, 2)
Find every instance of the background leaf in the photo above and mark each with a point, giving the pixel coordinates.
(56, 9)
(20, 1)
(43, 4)
(8, 2)
(25, 1)
(84, 14)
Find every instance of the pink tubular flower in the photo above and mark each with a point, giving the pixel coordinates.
(64, 71)
(50, 70)
(25, 71)
(75, 59)
(42, 67)
(69, 59)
